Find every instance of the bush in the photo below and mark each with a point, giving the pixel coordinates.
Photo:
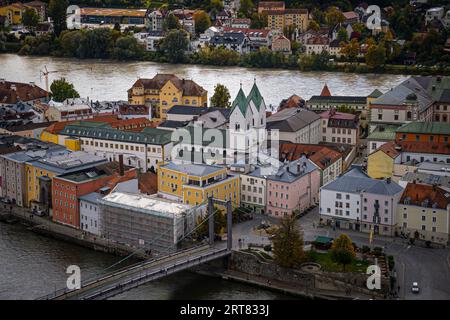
(268, 247)
(377, 251)
(365, 249)
(311, 255)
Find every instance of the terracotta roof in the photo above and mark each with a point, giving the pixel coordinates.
(189, 87)
(271, 4)
(350, 15)
(320, 155)
(317, 40)
(127, 109)
(424, 147)
(425, 196)
(247, 31)
(113, 12)
(389, 149)
(148, 183)
(293, 101)
(325, 91)
(13, 92)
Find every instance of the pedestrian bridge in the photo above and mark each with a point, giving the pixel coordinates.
(136, 275)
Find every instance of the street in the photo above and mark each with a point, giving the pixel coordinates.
(430, 267)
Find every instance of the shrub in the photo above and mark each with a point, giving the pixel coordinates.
(268, 247)
(377, 251)
(365, 249)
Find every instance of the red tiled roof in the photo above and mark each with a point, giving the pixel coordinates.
(424, 147)
(332, 114)
(325, 91)
(13, 92)
(417, 194)
(148, 183)
(320, 155)
(264, 32)
(389, 149)
(189, 87)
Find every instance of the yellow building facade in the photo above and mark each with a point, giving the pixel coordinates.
(279, 20)
(165, 91)
(13, 13)
(32, 175)
(193, 184)
(381, 162)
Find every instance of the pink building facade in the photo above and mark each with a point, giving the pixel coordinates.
(294, 187)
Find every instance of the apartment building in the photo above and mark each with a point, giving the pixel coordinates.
(164, 91)
(423, 213)
(339, 127)
(281, 19)
(357, 202)
(293, 189)
(193, 184)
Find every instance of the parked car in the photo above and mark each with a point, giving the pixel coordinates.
(415, 287)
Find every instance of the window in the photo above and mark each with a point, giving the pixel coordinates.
(423, 228)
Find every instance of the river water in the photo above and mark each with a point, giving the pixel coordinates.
(110, 80)
(32, 265)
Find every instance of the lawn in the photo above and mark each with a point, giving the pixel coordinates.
(324, 259)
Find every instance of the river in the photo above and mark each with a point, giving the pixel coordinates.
(32, 265)
(110, 80)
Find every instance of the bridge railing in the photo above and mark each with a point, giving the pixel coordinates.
(143, 278)
(89, 282)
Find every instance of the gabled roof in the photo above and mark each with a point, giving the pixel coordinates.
(325, 91)
(355, 181)
(240, 102)
(255, 96)
(13, 92)
(375, 94)
(189, 87)
(291, 120)
(425, 196)
(320, 155)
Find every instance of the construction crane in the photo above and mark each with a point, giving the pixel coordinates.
(45, 73)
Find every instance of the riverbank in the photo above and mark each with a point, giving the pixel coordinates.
(332, 67)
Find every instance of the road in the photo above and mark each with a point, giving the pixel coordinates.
(430, 267)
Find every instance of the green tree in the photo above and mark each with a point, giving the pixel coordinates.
(258, 21)
(288, 244)
(342, 35)
(351, 49)
(313, 25)
(246, 8)
(175, 44)
(376, 56)
(333, 16)
(30, 18)
(97, 44)
(221, 97)
(69, 41)
(57, 11)
(171, 22)
(220, 222)
(342, 251)
(62, 90)
(202, 21)
(128, 48)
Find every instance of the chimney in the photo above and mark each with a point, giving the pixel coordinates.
(299, 168)
(121, 169)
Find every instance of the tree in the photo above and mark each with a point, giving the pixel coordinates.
(221, 97)
(30, 18)
(175, 44)
(62, 90)
(128, 48)
(57, 11)
(202, 21)
(313, 25)
(97, 44)
(333, 16)
(288, 244)
(351, 49)
(342, 35)
(376, 56)
(69, 41)
(246, 8)
(171, 22)
(258, 21)
(220, 222)
(342, 251)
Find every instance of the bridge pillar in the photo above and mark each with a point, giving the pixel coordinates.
(211, 220)
(229, 226)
